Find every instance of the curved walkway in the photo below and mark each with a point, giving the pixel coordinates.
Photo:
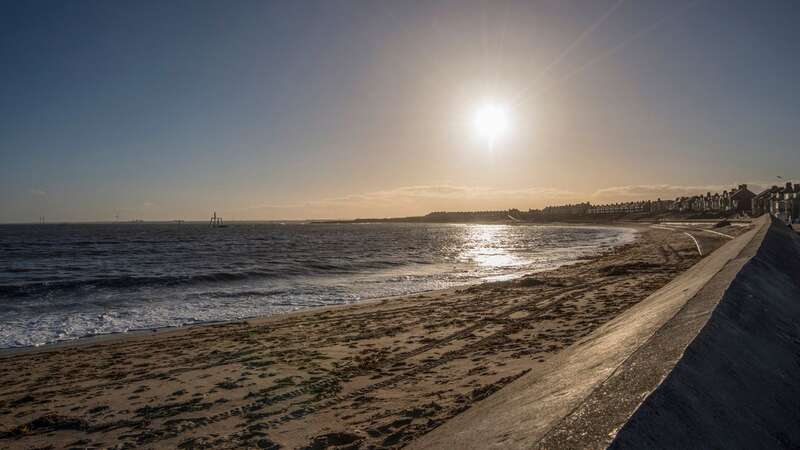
(585, 397)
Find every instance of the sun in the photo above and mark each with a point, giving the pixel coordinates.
(491, 122)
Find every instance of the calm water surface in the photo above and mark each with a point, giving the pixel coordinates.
(60, 282)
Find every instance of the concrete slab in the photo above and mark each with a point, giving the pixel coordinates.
(547, 407)
(737, 385)
(596, 421)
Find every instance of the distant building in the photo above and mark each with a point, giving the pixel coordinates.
(564, 210)
(646, 206)
(482, 216)
(785, 203)
(737, 200)
(761, 203)
(741, 199)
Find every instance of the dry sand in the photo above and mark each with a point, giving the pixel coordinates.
(373, 375)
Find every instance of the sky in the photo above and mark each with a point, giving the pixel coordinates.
(343, 109)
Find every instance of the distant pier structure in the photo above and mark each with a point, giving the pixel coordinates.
(216, 222)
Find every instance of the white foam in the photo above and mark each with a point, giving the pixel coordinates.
(104, 311)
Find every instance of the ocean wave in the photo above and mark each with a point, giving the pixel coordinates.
(159, 276)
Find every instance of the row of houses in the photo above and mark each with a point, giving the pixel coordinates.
(646, 206)
(738, 200)
(782, 202)
(567, 210)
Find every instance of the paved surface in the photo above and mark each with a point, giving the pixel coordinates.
(570, 404)
(595, 422)
(737, 385)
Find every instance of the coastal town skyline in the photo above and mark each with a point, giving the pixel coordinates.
(385, 224)
(619, 199)
(172, 111)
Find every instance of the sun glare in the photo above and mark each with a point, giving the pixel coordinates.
(491, 122)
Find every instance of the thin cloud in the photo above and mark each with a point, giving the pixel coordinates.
(412, 201)
(432, 193)
(38, 193)
(669, 191)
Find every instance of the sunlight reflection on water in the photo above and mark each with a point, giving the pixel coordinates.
(128, 277)
(485, 246)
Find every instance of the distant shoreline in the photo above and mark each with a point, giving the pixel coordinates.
(565, 219)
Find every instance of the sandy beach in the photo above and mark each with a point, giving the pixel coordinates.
(373, 375)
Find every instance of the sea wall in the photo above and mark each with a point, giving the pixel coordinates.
(711, 360)
(738, 382)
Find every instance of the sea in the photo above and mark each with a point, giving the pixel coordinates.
(66, 281)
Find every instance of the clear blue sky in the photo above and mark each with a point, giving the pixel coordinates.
(162, 110)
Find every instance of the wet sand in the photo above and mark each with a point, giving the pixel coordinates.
(373, 375)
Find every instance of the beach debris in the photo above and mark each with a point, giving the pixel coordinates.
(267, 444)
(47, 422)
(529, 281)
(627, 268)
(339, 441)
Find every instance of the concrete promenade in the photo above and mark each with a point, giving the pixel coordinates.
(710, 360)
